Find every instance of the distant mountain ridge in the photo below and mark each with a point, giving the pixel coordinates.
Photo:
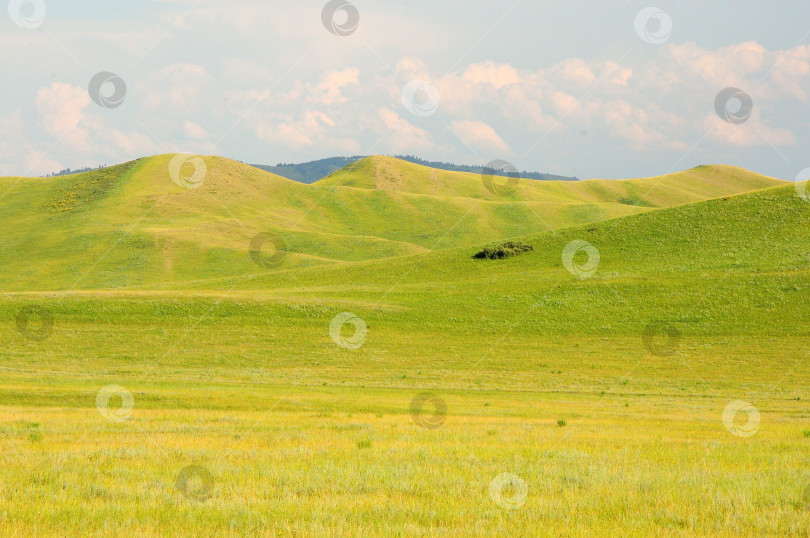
(312, 171)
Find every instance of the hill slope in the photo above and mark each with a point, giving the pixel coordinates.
(728, 266)
(130, 225)
(700, 183)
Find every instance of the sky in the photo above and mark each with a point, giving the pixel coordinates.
(608, 89)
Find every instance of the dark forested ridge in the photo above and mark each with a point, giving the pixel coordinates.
(312, 171)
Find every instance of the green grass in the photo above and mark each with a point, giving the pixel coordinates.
(90, 187)
(131, 226)
(528, 370)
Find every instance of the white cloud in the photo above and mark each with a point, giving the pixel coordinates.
(575, 70)
(407, 137)
(616, 74)
(641, 127)
(749, 134)
(272, 82)
(329, 90)
(38, 162)
(295, 132)
(726, 65)
(176, 87)
(194, 131)
(659, 104)
(61, 110)
(117, 143)
(496, 75)
(410, 68)
(79, 132)
(481, 137)
(789, 75)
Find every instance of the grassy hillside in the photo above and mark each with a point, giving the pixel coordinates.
(720, 272)
(694, 185)
(691, 265)
(130, 225)
(533, 371)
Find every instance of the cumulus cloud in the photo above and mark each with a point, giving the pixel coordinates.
(481, 137)
(176, 86)
(575, 70)
(659, 104)
(76, 130)
(61, 110)
(194, 131)
(319, 95)
(789, 74)
(411, 68)
(406, 137)
(39, 162)
(329, 90)
(727, 65)
(751, 134)
(295, 132)
(496, 75)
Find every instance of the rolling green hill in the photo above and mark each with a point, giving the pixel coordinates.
(384, 173)
(602, 389)
(734, 265)
(729, 275)
(130, 225)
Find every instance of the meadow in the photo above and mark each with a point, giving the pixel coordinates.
(641, 370)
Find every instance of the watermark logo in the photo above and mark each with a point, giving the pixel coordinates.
(356, 340)
(340, 17)
(107, 90)
(28, 14)
(509, 491)
(421, 98)
(428, 410)
(571, 258)
(105, 403)
(801, 184)
(195, 483)
(733, 421)
(500, 177)
(734, 105)
(661, 338)
(267, 260)
(653, 25)
(31, 329)
(179, 172)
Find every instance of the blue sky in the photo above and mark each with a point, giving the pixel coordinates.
(574, 88)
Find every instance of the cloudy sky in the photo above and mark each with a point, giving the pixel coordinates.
(593, 89)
